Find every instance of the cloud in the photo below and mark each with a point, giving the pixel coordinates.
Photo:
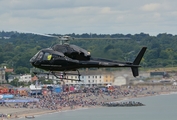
(79, 16)
(151, 7)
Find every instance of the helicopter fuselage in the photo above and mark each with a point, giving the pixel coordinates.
(51, 60)
(68, 58)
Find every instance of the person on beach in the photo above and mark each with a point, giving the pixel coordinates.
(16, 116)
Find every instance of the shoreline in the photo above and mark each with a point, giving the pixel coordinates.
(81, 108)
(22, 112)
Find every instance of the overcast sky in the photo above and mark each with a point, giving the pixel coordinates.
(89, 16)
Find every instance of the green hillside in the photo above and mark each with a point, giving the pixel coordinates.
(17, 48)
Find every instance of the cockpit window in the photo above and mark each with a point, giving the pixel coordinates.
(47, 56)
(40, 55)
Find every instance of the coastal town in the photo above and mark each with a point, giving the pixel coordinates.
(98, 90)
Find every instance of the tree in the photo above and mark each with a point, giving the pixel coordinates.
(15, 82)
(22, 70)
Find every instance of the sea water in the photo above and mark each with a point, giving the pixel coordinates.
(162, 107)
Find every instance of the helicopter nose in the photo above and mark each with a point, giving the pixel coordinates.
(32, 61)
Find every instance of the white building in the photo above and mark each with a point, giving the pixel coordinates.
(48, 76)
(89, 79)
(74, 80)
(21, 78)
(93, 79)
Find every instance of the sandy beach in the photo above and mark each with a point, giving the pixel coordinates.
(123, 93)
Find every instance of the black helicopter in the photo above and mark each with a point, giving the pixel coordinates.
(67, 57)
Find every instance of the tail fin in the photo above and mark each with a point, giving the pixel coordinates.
(137, 62)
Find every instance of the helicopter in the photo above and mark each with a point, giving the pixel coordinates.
(68, 57)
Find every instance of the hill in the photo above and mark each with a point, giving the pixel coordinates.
(17, 48)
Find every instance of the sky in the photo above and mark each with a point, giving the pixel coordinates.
(89, 16)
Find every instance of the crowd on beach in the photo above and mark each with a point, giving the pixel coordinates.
(88, 97)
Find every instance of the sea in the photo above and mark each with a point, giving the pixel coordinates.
(160, 107)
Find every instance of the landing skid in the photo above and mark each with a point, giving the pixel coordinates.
(62, 76)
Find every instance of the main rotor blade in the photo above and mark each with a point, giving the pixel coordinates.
(120, 38)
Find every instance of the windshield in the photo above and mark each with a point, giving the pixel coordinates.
(39, 56)
(34, 57)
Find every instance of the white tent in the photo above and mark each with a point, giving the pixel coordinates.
(34, 87)
(108, 85)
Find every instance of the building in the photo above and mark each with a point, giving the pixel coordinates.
(158, 74)
(21, 78)
(5, 37)
(119, 81)
(108, 78)
(91, 79)
(2, 75)
(7, 70)
(49, 77)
